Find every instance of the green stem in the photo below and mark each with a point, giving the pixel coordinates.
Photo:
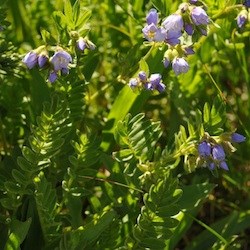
(113, 182)
(149, 52)
(215, 84)
(211, 230)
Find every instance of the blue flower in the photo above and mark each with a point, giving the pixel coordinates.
(153, 33)
(180, 65)
(30, 59)
(223, 165)
(160, 87)
(218, 153)
(81, 44)
(133, 83)
(235, 137)
(152, 17)
(142, 76)
(242, 18)
(204, 149)
(211, 166)
(52, 76)
(247, 3)
(173, 26)
(61, 60)
(199, 16)
(42, 60)
(166, 62)
(155, 83)
(188, 27)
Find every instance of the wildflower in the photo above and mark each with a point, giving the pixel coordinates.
(133, 83)
(223, 165)
(180, 65)
(42, 60)
(152, 17)
(189, 51)
(188, 27)
(52, 76)
(173, 26)
(153, 33)
(142, 76)
(242, 18)
(81, 44)
(235, 137)
(199, 16)
(247, 3)
(218, 153)
(204, 149)
(211, 166)
(166, 62)
(155, 83)
(61, 60)
(160, 87)
(193, 1)
(30, 59)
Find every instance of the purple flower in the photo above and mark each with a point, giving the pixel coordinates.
(52, 76)
(218, 153)
(173, 26)
(155, 79)
(223, 165)
(153, 33)
(166, 62)
(42, 60)
(242, 18)
(180, 65)
(160, 87)
(61, 60)
(155, 83)
(235, 137)
(189, 51)
(199, 16)
(81, 44)
(152, 17)
(188, 27)
(204, 149)
(142, 76)
(193, 1)
(30, 59)
(247, 3)
(133, 83)
(211, 166)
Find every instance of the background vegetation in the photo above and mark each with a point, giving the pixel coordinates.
(88, 163)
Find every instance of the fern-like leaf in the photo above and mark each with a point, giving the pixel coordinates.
(137, 137)
(156, 221)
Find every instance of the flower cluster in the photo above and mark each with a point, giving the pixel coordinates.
(212, 152)
(189, 19)
(176, 55)
(154, 82)
(59, 63)
(244, 15)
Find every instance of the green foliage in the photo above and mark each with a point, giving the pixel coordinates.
(137, 137)
(46, 203)
(19, 231)
(88, 163)
(156, 222)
